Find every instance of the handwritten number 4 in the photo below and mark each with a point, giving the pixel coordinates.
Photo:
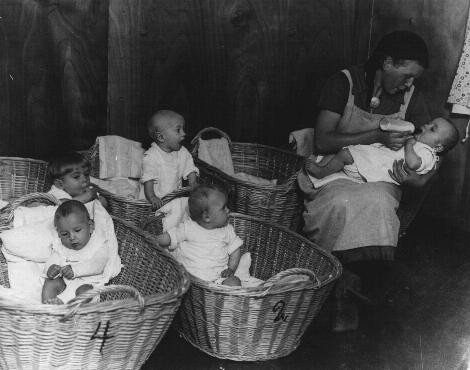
(103, 337)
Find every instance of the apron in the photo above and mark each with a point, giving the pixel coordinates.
(344, 215)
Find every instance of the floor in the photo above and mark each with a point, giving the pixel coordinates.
(421, 322)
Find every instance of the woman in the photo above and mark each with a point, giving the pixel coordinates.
(358, 221)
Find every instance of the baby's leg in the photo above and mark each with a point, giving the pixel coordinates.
(51, 289)
(328, 166)
(232, 281)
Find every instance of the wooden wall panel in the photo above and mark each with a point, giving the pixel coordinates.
(252, 68)
(442, 25)
(53, 75)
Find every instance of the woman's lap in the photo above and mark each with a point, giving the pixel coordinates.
(345, 217)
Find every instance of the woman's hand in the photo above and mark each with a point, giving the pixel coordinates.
(393, 139)
(406, 176)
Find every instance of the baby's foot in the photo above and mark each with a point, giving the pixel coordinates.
(54, 301)
(313, 169)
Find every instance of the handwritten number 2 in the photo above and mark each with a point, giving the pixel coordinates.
(279, 308)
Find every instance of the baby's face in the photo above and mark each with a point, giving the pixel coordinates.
(74, 230)
(434, 133)
(218, 210)
(75, 182)
(173, 135)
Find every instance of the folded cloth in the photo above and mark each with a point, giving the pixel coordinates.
(302, 141)
(119, 157)
(216, 152)
(121, 186)
(3, 203)
(15, 296)
(254, 179)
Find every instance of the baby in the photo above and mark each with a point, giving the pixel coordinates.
(205, 243)
(80, 257)
(70, 176)
(372, 162)
(167, 162)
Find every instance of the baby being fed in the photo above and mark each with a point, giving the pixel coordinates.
(373, 162)
(205, 243)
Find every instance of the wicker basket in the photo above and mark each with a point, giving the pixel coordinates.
(265, 322)
(120, 332)
(280, 203)
(134, 211)
(21, 176)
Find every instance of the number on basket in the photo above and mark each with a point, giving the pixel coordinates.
(103, 337)
(279, 306)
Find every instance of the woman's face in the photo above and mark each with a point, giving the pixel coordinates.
(399, 76)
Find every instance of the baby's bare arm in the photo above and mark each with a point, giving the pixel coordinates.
(412, 159)
(150, 195)
(192, 179)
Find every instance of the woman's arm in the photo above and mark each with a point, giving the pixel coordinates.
(329, 140)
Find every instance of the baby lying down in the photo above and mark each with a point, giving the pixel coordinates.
(80, 256)
(205, 243)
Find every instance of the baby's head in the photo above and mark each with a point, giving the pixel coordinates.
(439, 134)
(70, 172)
(208, 206)
(166, 128)
(73, 224)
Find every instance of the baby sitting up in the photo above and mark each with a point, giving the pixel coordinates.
(167, 162)
(70, 176)
(80, 257)
(205, 243)
(373, 162)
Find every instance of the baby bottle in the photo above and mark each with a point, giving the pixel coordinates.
(396, 124)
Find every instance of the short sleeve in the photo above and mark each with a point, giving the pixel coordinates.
(418, 111)
(428, 159)
(234, 242)
(151, 170)
(187, 163)
(177, 235)
(334, 95)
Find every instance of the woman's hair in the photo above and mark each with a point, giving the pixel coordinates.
(62, 164)
(198, 201)
(69, 207)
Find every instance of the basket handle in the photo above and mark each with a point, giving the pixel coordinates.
(85, 297)
(209, 129)
(289, 272)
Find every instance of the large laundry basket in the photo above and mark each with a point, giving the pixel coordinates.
(21, 176)
(119, 332)
(279, 203)
(265, 322)
(134, 211)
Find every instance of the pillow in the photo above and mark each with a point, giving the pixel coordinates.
(30, 242)
(31, 215)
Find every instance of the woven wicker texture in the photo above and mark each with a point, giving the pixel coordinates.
(266, 322)
(131, 210)
(21, 176)
(120, 332)
(280, 203)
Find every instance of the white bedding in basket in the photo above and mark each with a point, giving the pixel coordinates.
(27, 246)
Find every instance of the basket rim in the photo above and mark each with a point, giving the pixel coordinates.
(112, 305)
(40, 161)
(263, 291)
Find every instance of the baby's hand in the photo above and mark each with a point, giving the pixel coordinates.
(53, 271)
(411, 141)
(67, 272)
(90, 193)
(227, 272)
(156, 204)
